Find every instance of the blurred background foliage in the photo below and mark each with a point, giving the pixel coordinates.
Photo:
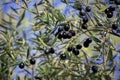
(28, 28)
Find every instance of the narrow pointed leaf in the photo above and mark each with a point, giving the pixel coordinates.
(96, 39)
(14, 10)
(21, 18)
(25, 3)
(4, 27)
(28, 52)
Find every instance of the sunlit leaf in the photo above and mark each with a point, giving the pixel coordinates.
(4, 27)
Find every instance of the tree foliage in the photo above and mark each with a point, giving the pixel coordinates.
(50, 43)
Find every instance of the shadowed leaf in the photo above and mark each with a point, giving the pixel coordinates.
(25, 3)
(14, 10)
(21, 18)
(96, 39)
(28, 52)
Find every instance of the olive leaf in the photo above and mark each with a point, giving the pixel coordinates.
(25, 3)
(21, 18)
(28, 52)
(96, 39)
(14, 10)
(5, 27)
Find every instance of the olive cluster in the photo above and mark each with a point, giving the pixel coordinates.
(114, 26)
(65, 32)
(87, 42)
(75, 50)
(94, 69)
(50, 50)
(31, 61)
(82, 13)
(109, 11)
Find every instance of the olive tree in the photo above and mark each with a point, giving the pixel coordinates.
(75, 41)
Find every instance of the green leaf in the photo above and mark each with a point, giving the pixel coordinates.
(107, 77)
(64, 1)
(11, 56)
(14, 10)
(18, 78)
(38, 48)
(110, 56)
(96, 39)
(61, 17)
(53, 41)
(41, 71)
(28, 52)
(5, 37)
(2, 54)
(42, 42)
(77, 6)
(11, 16)
(21, 18)
(3, 26)
(61, 72)
(7, 22)
(24, 35)
(25, 3)
(41, 2)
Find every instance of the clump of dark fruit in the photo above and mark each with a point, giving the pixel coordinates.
(66, 28)
(69, 48)
(111, 8)
(79, 46)
(85, 19)
(107, 11)
(21, 65)
(88, 9)
(114, 26)
(46, 51)
(69, 35)
(72, 32)
(110, 14)
(82, 13)
(63, 56)
(65, 36)
(60, 35)
(117, 2)
(94, 69)
(75, 51)
(32, 61)
(89, 40)
(51, 50)
(86, 44)
(60, 29)
(84, 26)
